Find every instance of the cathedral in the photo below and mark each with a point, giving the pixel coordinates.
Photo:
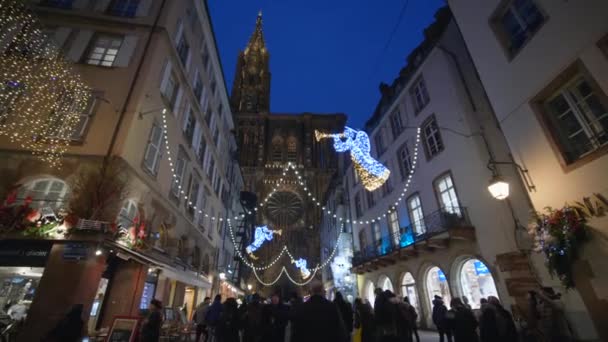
(267, 143)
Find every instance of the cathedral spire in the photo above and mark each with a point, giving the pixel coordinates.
(251, 86)
(256, 42)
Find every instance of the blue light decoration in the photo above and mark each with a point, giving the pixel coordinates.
(481, 268)
(301, 264)
(261, 235)
(441, 276)
(371, 172)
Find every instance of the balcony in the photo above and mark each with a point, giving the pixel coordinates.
(436, 231)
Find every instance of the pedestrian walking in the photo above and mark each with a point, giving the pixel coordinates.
(439, 319)
(496, 323)
(385, 316)
(252, 321)
(552, 322)
(346, 311)
(199, 319)
(213, 316)
(412, 317)
(318, 320)
(150, 330)
(228, 324)
(276, 316)
(364, 321)
(401, 318)
(461, 322)
(70, 328)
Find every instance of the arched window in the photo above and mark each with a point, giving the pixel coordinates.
(437, 285)
(277, 149)
(408, 289)
(369, 293)
(476, 282)
(127, 214)
(385, 283)
(292, 149)
(45, 192)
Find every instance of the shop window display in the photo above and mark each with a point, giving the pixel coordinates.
(476, 282)
(408, 289)
(18, 287)
(386, 284)
(437, 285)
(369, 293)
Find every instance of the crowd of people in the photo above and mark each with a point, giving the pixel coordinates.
(392, 319)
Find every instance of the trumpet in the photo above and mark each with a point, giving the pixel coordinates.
(321, 135)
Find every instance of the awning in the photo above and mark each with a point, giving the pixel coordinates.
(187, 277)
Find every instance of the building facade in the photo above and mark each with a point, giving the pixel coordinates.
(433, 229)
(544, 66)
(267, 143)
(158, 129)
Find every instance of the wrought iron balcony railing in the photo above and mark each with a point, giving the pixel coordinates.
(433, 224)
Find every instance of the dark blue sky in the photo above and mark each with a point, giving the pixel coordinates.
(325, 55)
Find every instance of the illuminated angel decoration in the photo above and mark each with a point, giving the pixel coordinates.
(301, 264)
(371, 172)
(261, 235)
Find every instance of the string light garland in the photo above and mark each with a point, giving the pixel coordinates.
(371, 172)
(41, 98)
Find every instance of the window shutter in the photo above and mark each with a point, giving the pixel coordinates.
(61, 35)
(179, 31)
(126, 51)
(79, 45)
(144, 8)
(80, 4)
(165, 76)
(178, 99)
(101, 5)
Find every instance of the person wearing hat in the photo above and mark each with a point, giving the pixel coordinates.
(439, 318)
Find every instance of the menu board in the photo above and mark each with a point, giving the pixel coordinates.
(124, 329)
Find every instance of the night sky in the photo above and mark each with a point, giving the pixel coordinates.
(326, 56)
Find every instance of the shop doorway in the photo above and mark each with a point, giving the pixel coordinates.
(476, 282)
(17, 291)
(437, 285)
(189, 298)
(369, 293)
(408, 289)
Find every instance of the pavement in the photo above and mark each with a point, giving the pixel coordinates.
(428, 336)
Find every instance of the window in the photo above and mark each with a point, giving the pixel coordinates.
(291, 149)
(193, 196)
(476, 282)
(103, 50)
(358, 208)
(188, 125)
(355, 176)
(578, 117)
(202, 147)
(405, 160)
(371, 201)
(419, 94)
(277, 150)
(198, 88)
(437, 285)
(377, 236)
(67, 4)
(447, 194)
(393, 224)
(171, 89)
(387, 188)
(516, 22)
(84, 118)
(216, 136)
(408, 289)
(123, 8)
(180, 170)
(210, 168)
(45, 192)
(414, 207)
(154, 151)
(396, 124)
(433, 144)
(183, 49)
(128, 213)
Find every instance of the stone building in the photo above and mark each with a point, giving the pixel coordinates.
(267, 143)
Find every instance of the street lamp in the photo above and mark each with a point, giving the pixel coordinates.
(498, 188)
(222, 276)
(249, 287)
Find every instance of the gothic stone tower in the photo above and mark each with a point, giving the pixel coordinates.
(267, 142)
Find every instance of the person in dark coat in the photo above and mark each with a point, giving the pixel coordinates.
(318, 320)
(496, 323)
(412, 317)
(150, 330)
(253, 320)
(364, 319)
(439, 319)
(385, 315)
(276, 316)
(345, 310)
(461, 322)
(69, 329)
(228, 325)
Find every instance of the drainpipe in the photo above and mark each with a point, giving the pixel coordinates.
(134, 81)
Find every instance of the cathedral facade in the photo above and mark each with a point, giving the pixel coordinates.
(267, 143)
